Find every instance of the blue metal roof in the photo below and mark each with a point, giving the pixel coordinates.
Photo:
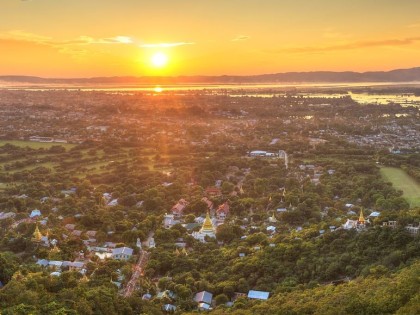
(260, 295)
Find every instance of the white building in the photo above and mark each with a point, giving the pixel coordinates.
(122, 253)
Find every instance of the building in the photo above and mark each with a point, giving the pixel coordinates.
(35, 213)
(204, 300)
(413, 230)
(258, 295)
(213, 192)
(207, 229)
(122, 253)
(178, 209)
(222, 211)
(169, 221)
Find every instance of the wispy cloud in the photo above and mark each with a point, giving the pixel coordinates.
(166, 45)
(110, 40)
(414, 25)
(240, 38)
(81, 40)
(352, 45)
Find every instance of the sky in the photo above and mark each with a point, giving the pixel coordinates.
(86, 38)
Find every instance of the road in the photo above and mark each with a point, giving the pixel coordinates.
(138, 271)
(138, 268)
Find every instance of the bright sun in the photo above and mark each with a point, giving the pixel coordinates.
(159, 60)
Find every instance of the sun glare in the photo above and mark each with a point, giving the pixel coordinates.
(159, 60)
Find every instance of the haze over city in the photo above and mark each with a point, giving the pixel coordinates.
(81, 38)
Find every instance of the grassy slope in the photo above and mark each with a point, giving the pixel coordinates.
(404, 182)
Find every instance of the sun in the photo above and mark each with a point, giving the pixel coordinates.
(159, 60)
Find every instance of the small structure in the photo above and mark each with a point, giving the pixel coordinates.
(122, 253)
(213, 191)
(222, 211)
(258, 295)
(413, 230)
(204, 300)
(70, 227)
(208, 202)
(391, 224)
(169, 308)
(35, 213)
(178, 209)
(272, 219)
(169, 221)
(152, 243)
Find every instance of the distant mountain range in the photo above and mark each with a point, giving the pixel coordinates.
(400, 75)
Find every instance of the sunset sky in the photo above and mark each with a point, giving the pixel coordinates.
(81, 38)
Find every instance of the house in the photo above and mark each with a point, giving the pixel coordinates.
(208, 202)
(169, 221)
(213, 191)
(271, 229)
(7, 215)
(169, 308)
(70, 227)
(222, 211)
(350, 224)
(122, 253)
(166, 294)
(204, 307)
(91, 234)
(204, 300)
(146, 296)
(152, 243)
(178, 209)
(35, 213)
(258, 295)
(413, 230)
(391, 224)
(113, 203)
(76, 233)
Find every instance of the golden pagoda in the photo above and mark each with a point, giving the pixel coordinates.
(37, 236)
(207, 225)
(177, 252)
(55, 249)
(361, 218)
(207, 229)
(184, 251)
(84, 279)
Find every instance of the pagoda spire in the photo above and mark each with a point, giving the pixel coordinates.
(361, 217)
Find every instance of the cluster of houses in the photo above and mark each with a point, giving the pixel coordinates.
(205, 301)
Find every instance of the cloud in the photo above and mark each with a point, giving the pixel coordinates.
(352, 45)
(414, 25)
(240, 38)
(166, 45)
(20, 35)
(109, 40)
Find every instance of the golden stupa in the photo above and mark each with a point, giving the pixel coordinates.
(37, 236)
(207, 225)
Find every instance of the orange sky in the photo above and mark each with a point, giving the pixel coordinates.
(80, 38)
